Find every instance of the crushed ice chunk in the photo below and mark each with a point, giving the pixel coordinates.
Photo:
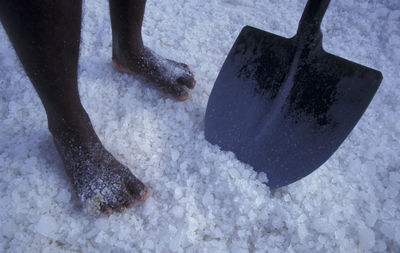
(9, 227)
(207, 199)
(178, 212)
(302, 231)
(148, 244)
(262, 177)
(366, 238)
(100, 237)
(63, 196)
(178, 193)
(174, 155)
(322, 225)
(371, 219)
(183, 166)
(46, 226)
(205, 171)
(102, 224)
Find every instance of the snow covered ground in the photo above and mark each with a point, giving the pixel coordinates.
(203, 199)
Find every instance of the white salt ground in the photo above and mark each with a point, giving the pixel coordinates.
(203, 199)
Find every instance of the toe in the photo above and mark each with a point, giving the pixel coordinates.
(185, 66)
(128, 200)
(177, 92)
(187, 80)
(130, 205)
(106, 209)
(182, 96)
(120, 209)
(137, 189)
(119, 202)
(145, 194)
(114, 205)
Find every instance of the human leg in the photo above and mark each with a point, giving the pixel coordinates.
(131, 56)
(46, 37)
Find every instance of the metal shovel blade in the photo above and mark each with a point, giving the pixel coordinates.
(284, 106)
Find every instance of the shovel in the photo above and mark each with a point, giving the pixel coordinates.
(284, 106)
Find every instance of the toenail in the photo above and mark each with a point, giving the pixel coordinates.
(108, 211)
(145, 194)
(181, 97)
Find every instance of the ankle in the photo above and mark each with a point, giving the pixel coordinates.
(128, 51)
(72, 127)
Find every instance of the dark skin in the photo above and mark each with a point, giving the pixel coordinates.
(46, 36)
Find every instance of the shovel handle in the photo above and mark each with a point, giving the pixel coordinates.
(310, 22)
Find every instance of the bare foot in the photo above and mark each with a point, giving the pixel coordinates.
(102, 183)
(168, 75)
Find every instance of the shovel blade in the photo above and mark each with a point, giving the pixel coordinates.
(283, 111)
